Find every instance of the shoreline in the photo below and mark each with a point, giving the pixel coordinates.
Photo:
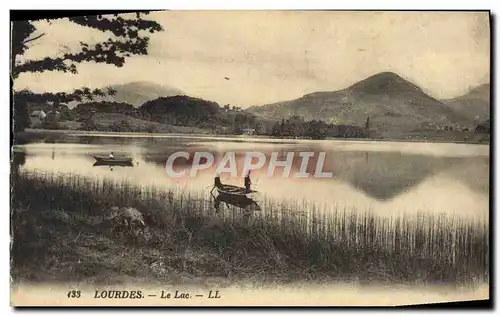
(191, 239)
(243, 138)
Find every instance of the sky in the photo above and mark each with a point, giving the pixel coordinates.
(272, 56)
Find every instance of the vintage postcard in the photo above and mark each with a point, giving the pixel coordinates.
(250, 158)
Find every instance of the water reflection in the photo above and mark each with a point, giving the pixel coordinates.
(384, 176)
(439, 178)
(238, 202)
(111, 164)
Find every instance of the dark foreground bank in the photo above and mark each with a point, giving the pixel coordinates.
(60, 236)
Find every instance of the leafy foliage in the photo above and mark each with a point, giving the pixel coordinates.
(89, 124)
(181, 110)
(296, 126)
(195, 112)
(104, 107)
(121, 126)
(129, 37)
(178, 111)
(51, 121)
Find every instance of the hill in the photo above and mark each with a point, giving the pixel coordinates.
(119, 122)
(180, 110)
(391, 102)
(166, 114)
(136, 93)
(474, 105)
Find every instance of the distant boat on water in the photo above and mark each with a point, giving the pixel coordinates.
(102, 160)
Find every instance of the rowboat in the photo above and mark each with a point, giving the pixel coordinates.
(235, 191)
(112, 161)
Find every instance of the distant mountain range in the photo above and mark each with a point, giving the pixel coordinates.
(136, 93)
(475, 104)
(391, 102)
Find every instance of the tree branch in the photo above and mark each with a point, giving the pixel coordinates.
(111, 52)
(46, 64)
(33, 39)
(119, 26)
(81, 94)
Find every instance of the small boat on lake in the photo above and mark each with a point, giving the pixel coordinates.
(235, 191)
(101, 160)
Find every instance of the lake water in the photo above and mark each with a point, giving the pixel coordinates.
(386, 178)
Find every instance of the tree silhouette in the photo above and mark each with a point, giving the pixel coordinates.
(128, 37)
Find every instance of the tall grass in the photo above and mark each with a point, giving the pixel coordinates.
(278, 242)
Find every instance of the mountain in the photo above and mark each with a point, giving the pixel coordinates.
(391, 102)
(475, 104)
(180, 110)
(136, 93)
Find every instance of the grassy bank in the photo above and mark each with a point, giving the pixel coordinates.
(59, 235)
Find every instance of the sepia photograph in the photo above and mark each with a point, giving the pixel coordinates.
(250, 158)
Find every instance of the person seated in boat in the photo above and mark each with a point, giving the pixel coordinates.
(248, 182)
(111, 156)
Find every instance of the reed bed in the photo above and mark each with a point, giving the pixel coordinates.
(284, 242)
